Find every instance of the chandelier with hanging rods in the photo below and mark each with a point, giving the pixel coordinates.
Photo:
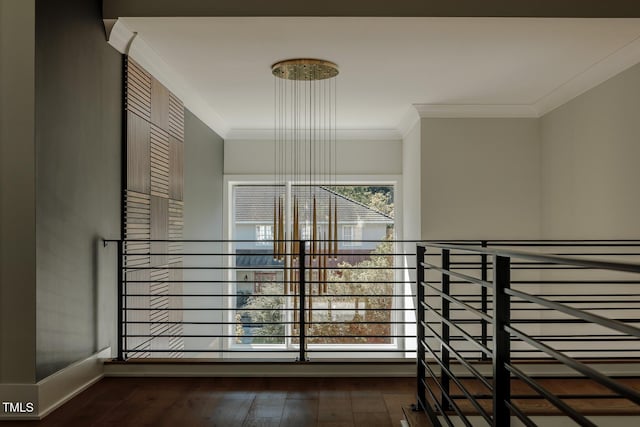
(305, 155)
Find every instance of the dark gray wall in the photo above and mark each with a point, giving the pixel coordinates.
(78, 168)
(17, 194)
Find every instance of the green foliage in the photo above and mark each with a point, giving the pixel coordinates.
(367, 277)
(269, 314)
(346, 287)
(376, 198)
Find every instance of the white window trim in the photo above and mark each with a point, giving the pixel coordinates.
(231, 180)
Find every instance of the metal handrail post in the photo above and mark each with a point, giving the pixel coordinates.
(302, 284)
(501, 341)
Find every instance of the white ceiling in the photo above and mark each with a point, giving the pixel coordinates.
(528, 66)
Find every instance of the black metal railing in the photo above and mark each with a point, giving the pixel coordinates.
(488, 311)
(235, 299)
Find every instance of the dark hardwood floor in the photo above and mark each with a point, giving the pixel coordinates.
(229, 402)
(294, 402)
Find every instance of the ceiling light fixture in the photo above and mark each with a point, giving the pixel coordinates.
(305, 154)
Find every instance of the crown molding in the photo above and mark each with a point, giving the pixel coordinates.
(476, 111)
(341, 135)
(118, 35)
(408, 121)
(124, 41)
(609, 66)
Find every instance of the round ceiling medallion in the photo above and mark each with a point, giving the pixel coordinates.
(304, 69)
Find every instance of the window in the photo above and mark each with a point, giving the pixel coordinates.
(264, 235)
(305, 232)
(352, 235)
(356, 304)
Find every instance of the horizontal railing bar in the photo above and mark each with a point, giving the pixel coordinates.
(576, 282)
(269, 350)
(434, 399)
(538, 397)
(273, 296)
(446, 395)
(578, 366)
(135, 252)
(456, 301)
(584, 350)
(461, 331)
(266, 267)
(241, 254)
(603, 265)
(367, 282)
(572, 413)
(589, 317)
(255, 241)
(364, 322)
(590, 301)
(458, 275)
(567, 320)
(261, 336)
(477, 374)
(255, 309)
(444, 369)
(578, 339)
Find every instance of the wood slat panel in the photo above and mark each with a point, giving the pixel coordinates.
(138, 162)
(155, 171)
(176, 169)
(159, 104)
(137, 225)
(138, 90)
(159, 229)
(159, 162)
(138, 315)
(176, 117)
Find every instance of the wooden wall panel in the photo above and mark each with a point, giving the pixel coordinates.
(138, 90)
(138, 283)
(176, 117)
(138, 161)
(159, 230)
(176, 168)
(159, 162)
(176, 343)
(159, 313)
(137, 218)
(159, 105)
(176, 225)
(153, 210)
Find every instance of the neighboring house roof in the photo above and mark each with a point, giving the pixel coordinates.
(254, 204)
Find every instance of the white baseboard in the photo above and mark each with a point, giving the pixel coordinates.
(55, 390)
(59, 388)
(244, 369)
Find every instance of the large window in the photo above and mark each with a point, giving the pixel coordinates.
(352, 304)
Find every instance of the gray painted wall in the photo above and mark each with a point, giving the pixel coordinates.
(78, 157)
(480, 179)
(17, 192)
(590, 153)
(203, 180)
(203, 217)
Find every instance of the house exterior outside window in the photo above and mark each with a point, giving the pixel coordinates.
(352, 235)
(264, 235)
(266, 308)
